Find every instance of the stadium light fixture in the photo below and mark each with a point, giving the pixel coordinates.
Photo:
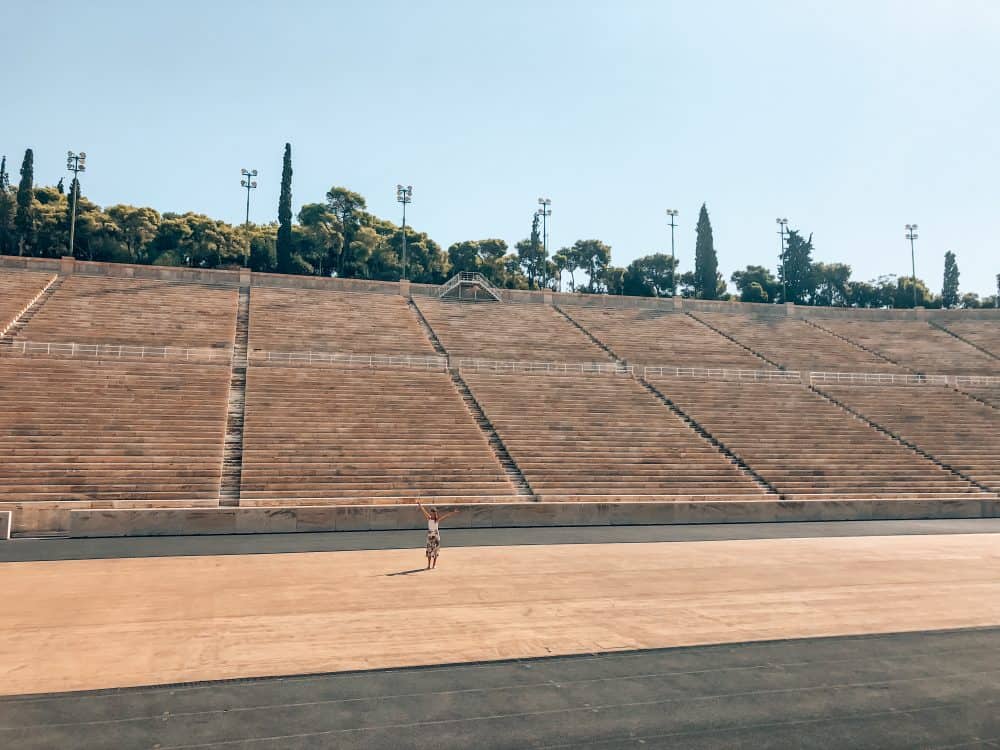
(911, 235)
(782, 223)
(249, 183)
(672, 213)
(545, 212)
(75, 163)
(404, 195)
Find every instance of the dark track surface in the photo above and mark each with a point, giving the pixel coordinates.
(19, 550)
(917, 690)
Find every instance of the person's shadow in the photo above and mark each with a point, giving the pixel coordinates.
(406, 572)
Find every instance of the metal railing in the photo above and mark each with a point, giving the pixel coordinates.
(469, 277)
(118, 351)
(875, 378)
(349, 359)
(555, 368)
(977, 380)
(722, 373)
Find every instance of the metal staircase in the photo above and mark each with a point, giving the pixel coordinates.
(469, 286)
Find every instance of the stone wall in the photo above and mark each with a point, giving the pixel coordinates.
(182, 521)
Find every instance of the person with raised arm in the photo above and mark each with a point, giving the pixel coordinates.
(434, 520)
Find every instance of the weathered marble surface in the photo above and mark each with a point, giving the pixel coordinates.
(258, 520)
(4, 525)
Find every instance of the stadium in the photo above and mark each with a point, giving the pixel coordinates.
(680, 522)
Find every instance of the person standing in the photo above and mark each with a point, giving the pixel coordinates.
(434, 520)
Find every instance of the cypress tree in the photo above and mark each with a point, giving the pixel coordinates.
(284, 244)
(7, 241)
(949, 290)
(798, 274)
(24, 219)
(706, 263)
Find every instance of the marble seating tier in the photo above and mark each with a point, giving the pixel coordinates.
(796, 345)
(136, 312)
(915, 345)
(807, 447)
(955, 429)
(654, 337)
(359, 434)
(599, 437)
(99, 434)
(306, 320)
(496, 331)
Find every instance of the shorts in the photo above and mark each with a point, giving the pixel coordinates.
(433, 544)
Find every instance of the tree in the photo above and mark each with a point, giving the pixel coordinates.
(137, 228)
(949, 289)
(464, 256)
(797, 269)
(559, 263)
(8, 238)
(283, 243)
(902, 295)
(491, 255)
(24, 218)
(614, 280)
(349, 208)
(591, 256)
(831, 282)
(568, 260)
(321, 241)
(649, 276)
(756, 284)
(706, 263)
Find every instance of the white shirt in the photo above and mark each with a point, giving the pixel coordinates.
(432, 526)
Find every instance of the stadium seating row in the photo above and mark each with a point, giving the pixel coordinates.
(79, 433)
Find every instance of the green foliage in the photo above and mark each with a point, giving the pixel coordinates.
(902, 294)
(831, 284)
(24, 217)
(531, 256)
(8, 238)
(349, 208)
(591, 257)
(949, 290)
(756, 284)
(319, 241)
(797, 268)
(284, 241)
(264, 247)
(706, 263)
(649, 276)
(136, 227)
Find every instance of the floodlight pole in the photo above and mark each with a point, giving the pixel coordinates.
(545, 212)
(911, 235)
(404, 195)
(782, 223)
(249, 184)
(75, 163)
(672, 213)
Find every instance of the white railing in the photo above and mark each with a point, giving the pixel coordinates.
(469, 277)
(875, 378)
(555, 368)
(974, 380)
(349, 359)
(118, 351)
(722, 373)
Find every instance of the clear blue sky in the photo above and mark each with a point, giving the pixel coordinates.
(850, 118)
